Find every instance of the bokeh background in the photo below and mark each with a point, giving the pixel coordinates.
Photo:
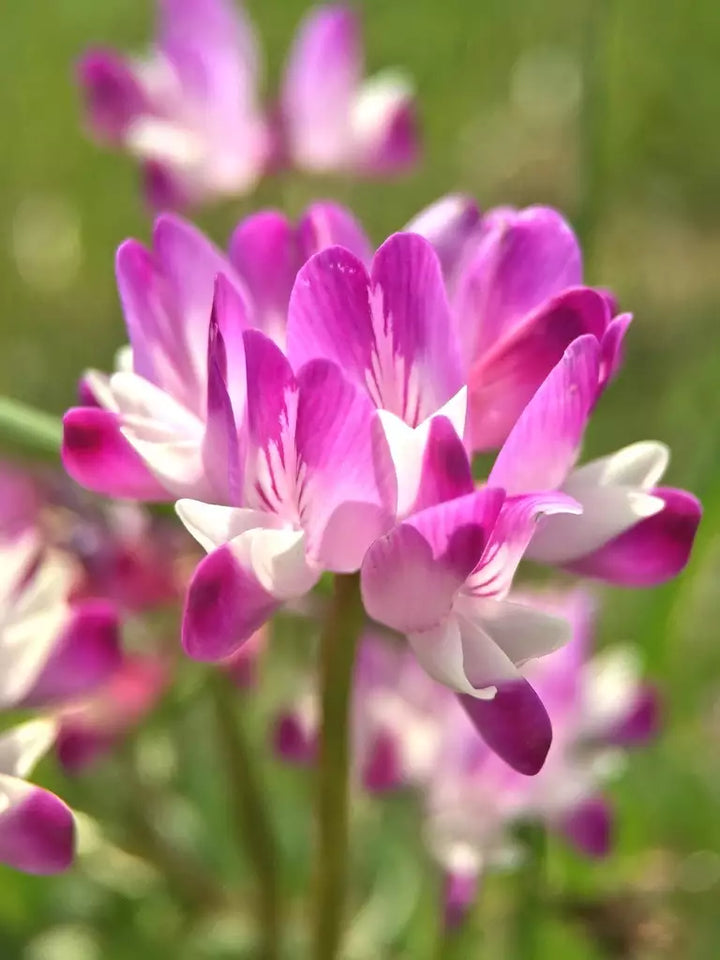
(606, 109)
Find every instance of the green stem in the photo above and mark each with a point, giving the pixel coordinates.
(338, 644)
(531, 882)
(24, 426)
(594, 112)
(252, 825)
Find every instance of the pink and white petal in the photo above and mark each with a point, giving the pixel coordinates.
(640, 465)
(212, 46)
(166, 186)
(271, 392)
(264, 250)
(213, 525)
(416, 366)
(520, 521)
(384, 125)
(519, 631)
(37, 830)
(239, 586)
(22, 746)
(450, 225)
(97, 456)
(329, 315)
(588, 827)
(325, 224)
(439, 650)
(503, 379)
(641, 723)
(85, 655)
(650, 552)
(230, 313)
(113, 93)
(348, 493)
(322, 76)
(411, 576)
(459, 895)
(524, 258)
(431, 464)
(543, 445)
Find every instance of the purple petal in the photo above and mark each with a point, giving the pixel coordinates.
(113, 94)
(37, 830)
(410, 576)
(543, 445)
(98, 457)
(264, 250)
(348, 493)
(84, 656)
(589, 827)
(445, 472)
(514, 724)
(654, 550)
(393, 334)
(524, 258)
(611, 352)
(327, 224)
(165, 188)
(292, 741)
(449, 224)
(225, 605)
(503, 380)
(460, 894)
(271, 392)
(382, 769)
(78, 746)
(641, 724)
(322, 76)
(386, 135)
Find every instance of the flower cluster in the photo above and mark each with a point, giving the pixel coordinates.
(313, 406)
(410, 732)
(191, 110)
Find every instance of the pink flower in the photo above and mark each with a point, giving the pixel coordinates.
(145, 431)
(630, 531)
(51, 652)
(308, 468)
(191, 111)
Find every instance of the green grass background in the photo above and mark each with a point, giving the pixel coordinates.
(500, 88)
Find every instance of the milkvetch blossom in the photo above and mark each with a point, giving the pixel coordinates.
(191, 111)
(312, 481)
(630, 531)
(599, 707)
(51, 652)
(144, 431)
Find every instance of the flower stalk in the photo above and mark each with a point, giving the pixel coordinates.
(338, 645)
(249, 808)
(23, 425)
(530, 893)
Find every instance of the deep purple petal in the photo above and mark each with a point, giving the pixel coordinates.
(292, 741)
(654, 550)
(98, 457)
(514, 724)
(589, 827)
(113, 94)
(84, 656)
(382, 770)
(37, 830)
(642, 723)
(271, 391)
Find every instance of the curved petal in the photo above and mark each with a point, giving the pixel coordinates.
(113, 93)
(238, 587)
(22, 746)
(322, 75)
(612, 343)
(347, 497)
(37, 830)
(212, 525)
(524, 258)
(384, 126)
(449, 224)
(326, 224)
(264, 250)
(100, 458)
(503, 379)
(543, 445)
(651, 551)
(410, 576)
(84, 656)
(641, 723)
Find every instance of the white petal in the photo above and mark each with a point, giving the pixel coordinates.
(278, 560)
(638, 465)
(212, 525)
(441, 653)
(21, 747)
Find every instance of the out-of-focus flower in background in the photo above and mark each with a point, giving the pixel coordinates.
(191, 111)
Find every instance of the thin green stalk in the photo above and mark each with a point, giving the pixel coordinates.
(530, 897)
(338, 644)
(252, 825)
(25, 426)
(593, 152)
